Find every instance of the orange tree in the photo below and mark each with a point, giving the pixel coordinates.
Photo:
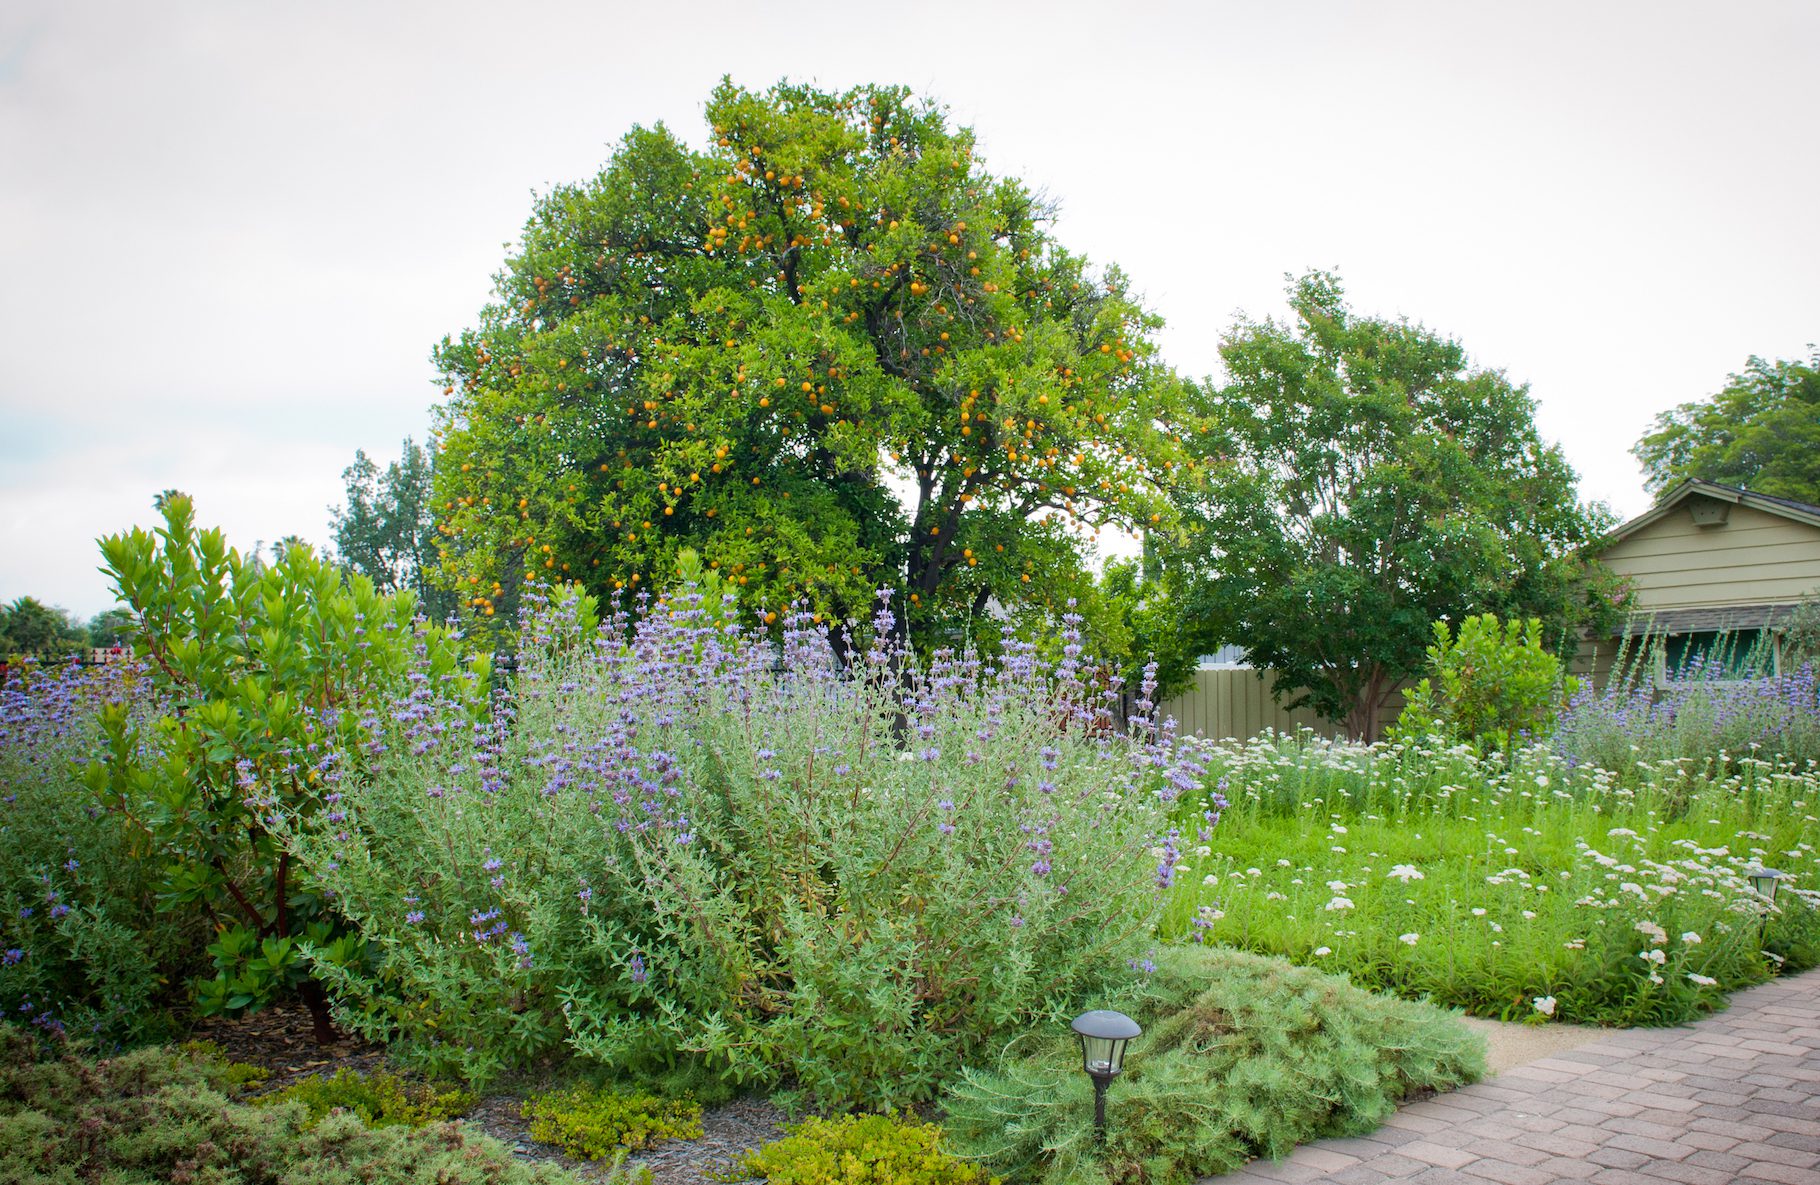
(829, 353)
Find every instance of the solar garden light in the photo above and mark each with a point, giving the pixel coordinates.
(1764, 881)
(1104, 1036)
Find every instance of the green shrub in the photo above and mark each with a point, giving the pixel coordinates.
(237, 1075)
(380, 1099)
(1492, 685)
(1241, 1056)
(682, 845)
(85, 951)
(268, 675)
(595, 1122)
(858, 1150)
(156, 1116)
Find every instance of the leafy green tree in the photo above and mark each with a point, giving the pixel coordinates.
(1365, 482)
(30, 628)
(1761, 431)
(386, 531)
(829, 353)
(111, 627)
(271, 676)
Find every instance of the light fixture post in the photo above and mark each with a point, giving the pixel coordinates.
(1103, 1036)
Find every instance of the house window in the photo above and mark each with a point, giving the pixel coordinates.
(1717, 655)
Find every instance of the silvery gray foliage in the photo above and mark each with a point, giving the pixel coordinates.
(680, 842)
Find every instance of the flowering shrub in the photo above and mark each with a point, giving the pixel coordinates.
(84, 951)
(1701, 715)
(1526, 887)
(679, 843)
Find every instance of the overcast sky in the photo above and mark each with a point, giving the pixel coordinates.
(230, 233)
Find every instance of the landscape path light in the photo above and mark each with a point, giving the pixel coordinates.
(1104, 1036)
(1764, 881)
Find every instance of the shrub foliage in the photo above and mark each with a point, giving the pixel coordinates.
(154, 1116)
(679, 843)
(85, 951)
(1242, 1056)
(1491, 684)
(859, 1150)
(265, 675)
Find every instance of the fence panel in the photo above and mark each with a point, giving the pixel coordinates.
(1236, 703)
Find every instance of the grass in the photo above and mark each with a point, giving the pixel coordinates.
(1523, 890)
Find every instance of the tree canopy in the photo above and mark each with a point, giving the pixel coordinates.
(29, 627)
(386, 531)
(830, 353)
(1365, 481)
(1761, 431)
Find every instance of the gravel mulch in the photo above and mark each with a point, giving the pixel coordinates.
(728, 1131)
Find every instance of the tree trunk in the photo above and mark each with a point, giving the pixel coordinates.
(323, 1028)
(1361, 722)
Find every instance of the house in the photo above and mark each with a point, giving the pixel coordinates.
(1715, 572)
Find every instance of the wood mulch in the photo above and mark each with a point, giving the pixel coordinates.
(280, 1039)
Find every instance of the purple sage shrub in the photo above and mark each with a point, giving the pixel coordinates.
(1703, 715)
(85, 952)
(681, 843)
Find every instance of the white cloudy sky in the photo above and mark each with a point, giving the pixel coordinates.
(230, 232)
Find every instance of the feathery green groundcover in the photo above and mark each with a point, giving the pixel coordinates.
(161, 1115)
(1242, 1056)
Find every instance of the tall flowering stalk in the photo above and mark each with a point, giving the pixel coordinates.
(679, 841)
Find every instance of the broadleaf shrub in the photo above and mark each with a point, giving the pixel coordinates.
(1241, 1056)
(596, 1122)
(85, 951)
(266, 675)
(1491, 684)
(680, 844)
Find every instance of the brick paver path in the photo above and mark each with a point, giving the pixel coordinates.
(1731, 1099)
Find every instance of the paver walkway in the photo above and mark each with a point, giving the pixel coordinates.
(1731, 1099)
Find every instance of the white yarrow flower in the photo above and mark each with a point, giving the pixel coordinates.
(1405, 873)
(1545, 1005)
(1409, 939)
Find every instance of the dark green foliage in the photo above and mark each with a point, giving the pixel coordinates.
(595, 1122)
(1242, 1056)
(31, 629)
(379, 1099)
(830, 352)
(1762, 431)
(858, 1150)
(1364, 481)
(387, 530)
(155, 1116)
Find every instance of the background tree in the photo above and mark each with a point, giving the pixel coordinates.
(1364, 483)
(386, 531)
(1762, 432)
(111, 627)
(30, 628)
(830, 353)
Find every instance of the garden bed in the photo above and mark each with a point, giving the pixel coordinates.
(1523, 889)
